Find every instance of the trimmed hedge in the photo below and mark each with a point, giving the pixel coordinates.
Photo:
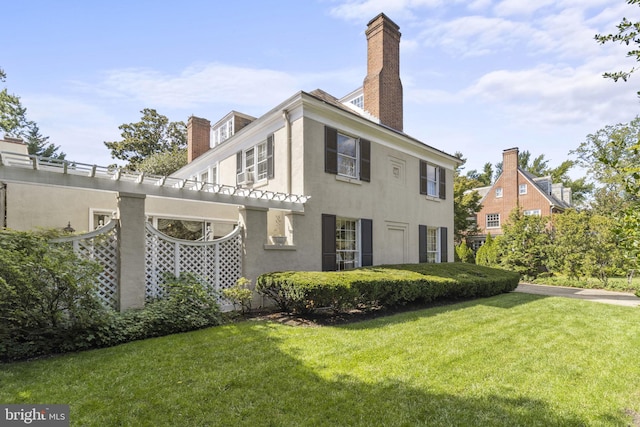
(387, 286)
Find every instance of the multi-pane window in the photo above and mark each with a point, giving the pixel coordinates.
(347, 255)
(261, 161)
(432, 180)
(534, 212)
(522, 189)
(223, 132)
(493, 220)
(347, 156)
(214, 174)
(358, 101)
(433, 247)
(499, 192)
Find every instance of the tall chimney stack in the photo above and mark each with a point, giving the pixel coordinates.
(198, 137)
(382, 87)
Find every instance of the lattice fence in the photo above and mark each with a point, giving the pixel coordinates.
(100, 246)
(217, 262)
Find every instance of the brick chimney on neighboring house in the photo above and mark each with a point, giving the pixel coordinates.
(198, 137)
(382, 87)
(510, 174)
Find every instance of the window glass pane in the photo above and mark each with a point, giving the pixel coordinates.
(346, 146)
(432, 245)
(432, 180)
(346, 244)
(262, 160)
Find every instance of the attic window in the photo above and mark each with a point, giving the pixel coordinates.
(522, 189)
(499, 192)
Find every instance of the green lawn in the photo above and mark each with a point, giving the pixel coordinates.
(620, 284)
(513, 359)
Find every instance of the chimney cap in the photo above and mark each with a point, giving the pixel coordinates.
(385, 18)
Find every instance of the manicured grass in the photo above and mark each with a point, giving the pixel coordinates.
(513, 359)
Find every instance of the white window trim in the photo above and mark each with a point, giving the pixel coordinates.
(356, 159)
(435, 253)
(499, 192)
(533, 212)
(94, 211)
(498, 219)
(521, 187)
(253, 168)
(357, 259)
(436, 182)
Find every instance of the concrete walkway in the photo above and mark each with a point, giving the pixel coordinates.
(597, 295)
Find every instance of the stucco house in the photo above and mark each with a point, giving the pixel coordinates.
(516, 187)
(375, 195)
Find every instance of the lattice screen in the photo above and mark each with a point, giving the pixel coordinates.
(101, 246)
(217, 262)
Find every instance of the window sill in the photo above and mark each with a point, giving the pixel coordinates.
(433, 198)
(348, 179)
(270, 247)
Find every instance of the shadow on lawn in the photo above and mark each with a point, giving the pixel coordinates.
(249, 374)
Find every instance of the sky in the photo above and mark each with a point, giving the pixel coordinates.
(479, 76)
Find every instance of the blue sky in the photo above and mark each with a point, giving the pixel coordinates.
(479, 76)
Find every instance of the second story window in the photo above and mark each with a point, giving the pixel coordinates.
(493, 220)
(432, 180)
(346, 155)
(499, 192)
(255, 163)
(522, 189)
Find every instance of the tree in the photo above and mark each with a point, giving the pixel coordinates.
(488, 253)
(485, 178)
(464, 253)
(525, 244)
(13, 118)
(628, 33)
(466, 202)
(151, 135)
(39, 145)
(607, 156)
(164, 163)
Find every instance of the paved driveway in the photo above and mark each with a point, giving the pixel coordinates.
(597, 295)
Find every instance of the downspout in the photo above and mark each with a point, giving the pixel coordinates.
(287, 127)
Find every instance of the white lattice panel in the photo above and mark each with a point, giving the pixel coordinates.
(217, 262)
(100, 246)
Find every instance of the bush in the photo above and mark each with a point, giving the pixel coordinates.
(240, 295)
(464, 253)
(47, 298)
(187, 304)
(48, 303)
(387, 286)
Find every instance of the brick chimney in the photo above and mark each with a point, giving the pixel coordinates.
(198, 137)
(382, 87)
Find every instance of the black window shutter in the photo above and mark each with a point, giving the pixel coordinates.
(443, 183)
(270, 172)
(365, 160)
(422, 243)
(238, 164)
(423, 177)
(366, 236)
(330, 150)
(444, 247)
(328, 242)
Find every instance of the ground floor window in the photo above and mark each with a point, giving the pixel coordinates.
(347, 253)
(433, 245)
(346, 243)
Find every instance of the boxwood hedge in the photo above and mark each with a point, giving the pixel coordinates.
(386, 286)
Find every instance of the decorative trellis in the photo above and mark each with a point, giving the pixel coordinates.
(100, 246)
(217, 262)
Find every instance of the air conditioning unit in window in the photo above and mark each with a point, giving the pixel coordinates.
(246, 177)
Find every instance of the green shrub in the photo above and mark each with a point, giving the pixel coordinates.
(464, 253)
(487, 254)
(187, 304)
(388, 286)
(47, 298)
(240, 295)
(48, 303)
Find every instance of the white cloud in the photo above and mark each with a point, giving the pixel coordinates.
(399, 9)
(519, 7)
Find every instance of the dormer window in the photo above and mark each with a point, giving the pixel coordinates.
(223, 132)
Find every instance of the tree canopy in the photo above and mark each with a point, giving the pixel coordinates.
(153, 134)
(466, 202)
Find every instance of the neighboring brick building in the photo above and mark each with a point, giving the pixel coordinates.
(516, 187)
